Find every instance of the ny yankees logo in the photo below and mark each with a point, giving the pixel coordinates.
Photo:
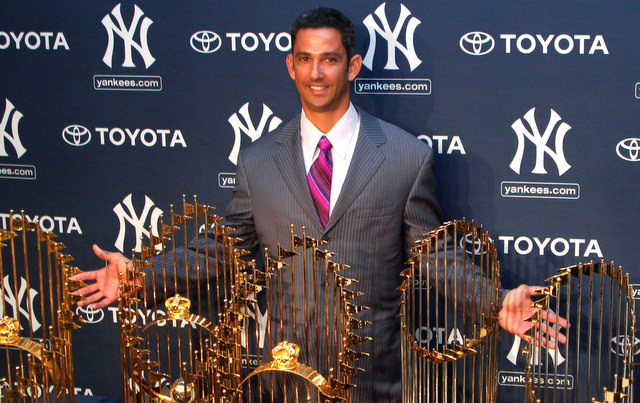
(540, 141)
(19, 301)
(138, 222)
(554, 354)
(14, 137)
(260, 319)
(391, 36)
(249, 129)
(127, 35)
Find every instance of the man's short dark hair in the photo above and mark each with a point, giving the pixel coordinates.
(323, 17)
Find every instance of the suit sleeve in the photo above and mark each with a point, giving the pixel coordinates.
(239, 212)
(423, 214)
(169, 275)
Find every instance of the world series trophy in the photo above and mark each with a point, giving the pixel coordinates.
(190, 328)
(598, 356)
(449, 317)
(36, 338)
(169, 306)
(310, 331)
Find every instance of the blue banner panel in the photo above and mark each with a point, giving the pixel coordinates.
(111, 110)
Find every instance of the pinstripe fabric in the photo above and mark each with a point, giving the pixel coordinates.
(319, 178)
(386, 203)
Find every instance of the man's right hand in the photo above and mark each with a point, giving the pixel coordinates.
(107, 280)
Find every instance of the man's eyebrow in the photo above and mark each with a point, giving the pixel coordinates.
(334, 54)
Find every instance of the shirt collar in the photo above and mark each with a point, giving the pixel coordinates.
(340, 134)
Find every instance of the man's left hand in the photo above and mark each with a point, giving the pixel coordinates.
(517, 306)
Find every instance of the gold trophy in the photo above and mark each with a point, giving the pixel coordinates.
(449, 309)
(598, 357)
(192, 328)
(35, 331)
(309, 339)
(168, 308)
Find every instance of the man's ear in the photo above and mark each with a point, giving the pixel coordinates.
(355, 64)
(289, 62)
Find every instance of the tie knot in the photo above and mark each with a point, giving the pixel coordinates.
(324, 144)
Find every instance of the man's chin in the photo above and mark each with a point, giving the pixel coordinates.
(317, 106)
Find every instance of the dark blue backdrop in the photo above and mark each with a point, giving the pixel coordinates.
(113, 110)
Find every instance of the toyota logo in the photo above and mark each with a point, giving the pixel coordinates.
(477, 43)
(624, 346)
(205, 41)
(90, 315)
(473, 245)
(76, 135)
(629, 149)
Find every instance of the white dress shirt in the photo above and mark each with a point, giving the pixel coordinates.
(343, 137)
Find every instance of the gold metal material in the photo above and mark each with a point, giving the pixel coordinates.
(449, 314)
(285, 355)
(309, 326)
(598, 357)
(9, 330)
(285, 359)
(192, 319)
(169, 307)
(182, 391)
(178, 307)
(210, 340)
(37, 339)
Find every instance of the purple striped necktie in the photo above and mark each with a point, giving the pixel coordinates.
(319, 178)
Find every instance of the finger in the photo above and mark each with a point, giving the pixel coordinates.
(101, 304)
(541, 341)
(94, 305)
(552, 333)
(93, 298)
(83, 302)
(546, 336)
(544, 341)
(101, 253)
(104, 254)
(535, 289)
(85, 275)
(553, 318)
(90, 289)
(546, 331)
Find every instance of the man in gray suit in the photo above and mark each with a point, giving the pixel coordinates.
(382, 196)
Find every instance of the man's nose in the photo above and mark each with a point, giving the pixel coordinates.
(316, 70)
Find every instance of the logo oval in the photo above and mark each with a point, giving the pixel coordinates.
(629, 149)
(90, 315)
(477, 43)
(206, 41)
(624, 346)
(76, 135)
(473, 245)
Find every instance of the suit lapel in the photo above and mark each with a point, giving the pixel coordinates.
(288, 159)
(367, 158)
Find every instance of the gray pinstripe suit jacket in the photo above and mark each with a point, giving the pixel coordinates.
(387, 202)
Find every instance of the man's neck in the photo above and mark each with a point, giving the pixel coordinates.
(325, 121)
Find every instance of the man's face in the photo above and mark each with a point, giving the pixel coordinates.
(320, 68)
